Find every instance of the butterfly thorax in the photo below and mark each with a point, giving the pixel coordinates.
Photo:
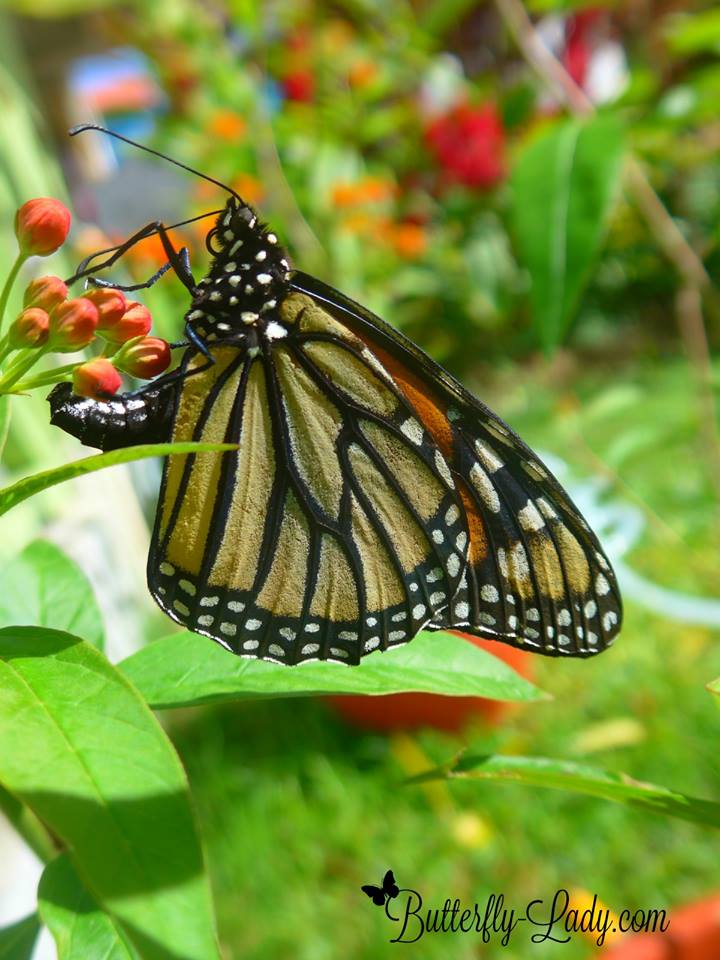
(247, 279)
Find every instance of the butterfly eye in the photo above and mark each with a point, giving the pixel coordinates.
(212, 235)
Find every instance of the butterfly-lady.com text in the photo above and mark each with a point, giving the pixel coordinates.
(556, 920)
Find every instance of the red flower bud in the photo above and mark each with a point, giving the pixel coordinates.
(135, 322)
(29, 329)
(72, 325)
(41, 226)
(97, 378)
(111, 305)
(45, 292)
(145, 359)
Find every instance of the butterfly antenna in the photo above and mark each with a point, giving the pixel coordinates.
(82, 127)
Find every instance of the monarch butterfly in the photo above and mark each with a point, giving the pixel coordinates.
(370, 495)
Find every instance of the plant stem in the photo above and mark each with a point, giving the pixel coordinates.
(5, 349)
(45, 379)
(31, 829)
(14, 270)
(26, 359)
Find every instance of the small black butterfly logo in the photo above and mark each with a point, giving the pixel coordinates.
(389, 889)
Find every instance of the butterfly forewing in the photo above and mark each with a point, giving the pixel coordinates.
(335, 527)
(536, 577)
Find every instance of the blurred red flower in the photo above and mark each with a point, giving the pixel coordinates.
(579, 45)
(469, 145)
(299, 85)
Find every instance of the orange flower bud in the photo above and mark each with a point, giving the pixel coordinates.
(111, 305)
(72, 325)
(135, 322)
(145, 359)
(41, 226)
(97, 378)
(29, 329)
(45, 292)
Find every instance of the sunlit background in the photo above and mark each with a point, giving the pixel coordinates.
(387, 143)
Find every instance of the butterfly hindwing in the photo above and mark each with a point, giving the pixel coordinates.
(537, 577)
(335, 527)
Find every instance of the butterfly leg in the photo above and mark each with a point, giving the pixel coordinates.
(178, 261)
(128, 287)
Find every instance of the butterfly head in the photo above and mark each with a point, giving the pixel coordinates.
(247, 278)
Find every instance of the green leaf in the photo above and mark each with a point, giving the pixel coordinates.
(578, 778)
(43, 587)
(566, 6)
(80, 747)
(714, 688)
(17, 941)
(563, 186)
(688, 34)
(80, 928)
(439, 16)
(185, 668)
(5, 411)
(29, 486)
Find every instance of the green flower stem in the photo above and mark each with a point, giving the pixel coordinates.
(26, 359)
(17, 361)
(14, 270)
(5, 349)
(47, 378)
(33, 831)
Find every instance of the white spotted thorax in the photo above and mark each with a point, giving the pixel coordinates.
(246, 282)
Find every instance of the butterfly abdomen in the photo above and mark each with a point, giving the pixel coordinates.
(121, 421)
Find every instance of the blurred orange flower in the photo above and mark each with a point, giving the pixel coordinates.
(362, 73)
(409, 240)
(151, 251)
(227, 125)
(249, 188)
(367, 190)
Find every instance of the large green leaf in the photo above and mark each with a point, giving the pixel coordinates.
(43, 587)
(578, 778)
(185, 668)
(29, 486)
(17, 941)
(80, 747)
(563, 185)
(80, 928)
